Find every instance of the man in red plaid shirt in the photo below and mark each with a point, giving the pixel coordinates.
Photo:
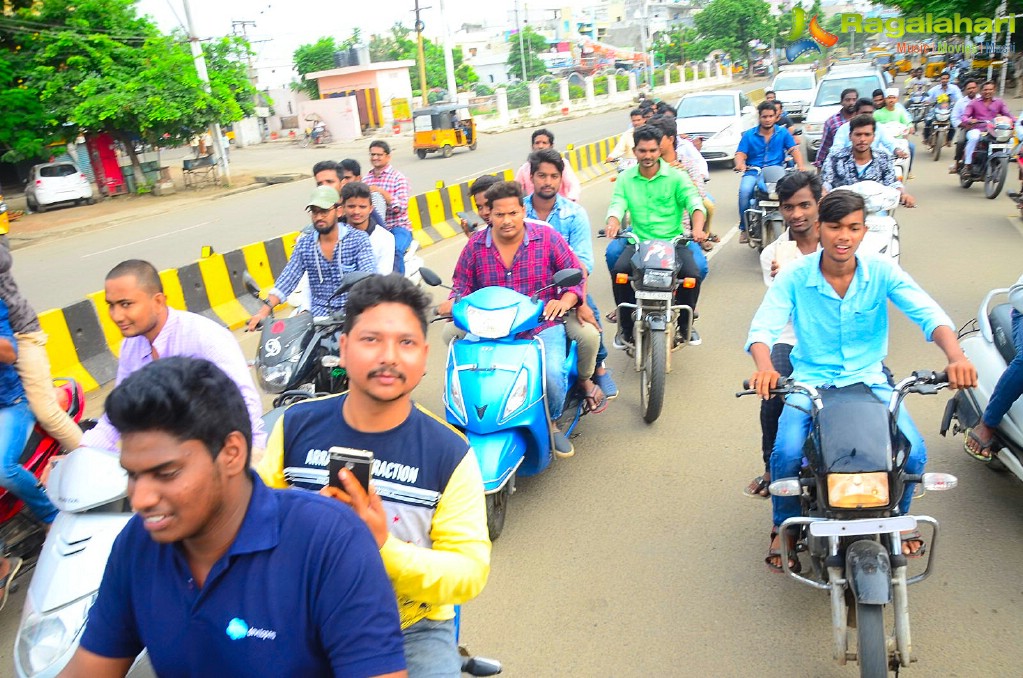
(831, 125)
(523, 255)
(394, 188)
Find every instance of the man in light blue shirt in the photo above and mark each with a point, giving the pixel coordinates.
(837, 302)
(883, 141)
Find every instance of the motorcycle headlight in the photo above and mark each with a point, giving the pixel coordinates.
(275, 376)
(488, 324)
(44, 639)
(658, 279)
(1001, 134)
(858, 490)
(517, 397)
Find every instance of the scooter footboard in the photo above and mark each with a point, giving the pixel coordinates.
(500, 454)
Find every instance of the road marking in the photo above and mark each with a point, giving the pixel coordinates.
(467, 177)
(136, 242)
(724, 241)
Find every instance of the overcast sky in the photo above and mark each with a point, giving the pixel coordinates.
(286, 25)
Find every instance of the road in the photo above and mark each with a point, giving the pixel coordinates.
(640, 556)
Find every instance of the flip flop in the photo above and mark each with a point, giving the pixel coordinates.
(5, 583)
(612, 316)
(981, 446)
(914, 535)
(757, 488)
(794, 564)
(594, 403)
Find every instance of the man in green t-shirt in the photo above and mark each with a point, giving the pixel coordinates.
(656, 196)
(893, 111)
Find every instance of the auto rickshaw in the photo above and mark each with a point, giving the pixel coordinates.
(886, 62)
(936, 63)
(439, 129)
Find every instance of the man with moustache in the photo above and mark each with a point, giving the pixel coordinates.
(425, 505)
(325, 256)
(831, 125)
(861, 163)
(357, 204)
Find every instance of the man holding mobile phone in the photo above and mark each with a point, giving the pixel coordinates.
(425, 505)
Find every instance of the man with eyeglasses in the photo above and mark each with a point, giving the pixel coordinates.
(325, 255)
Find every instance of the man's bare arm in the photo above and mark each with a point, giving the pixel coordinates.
(85, 664)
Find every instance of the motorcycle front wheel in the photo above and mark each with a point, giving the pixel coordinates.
(964, 181)
(994, 177)
(871, 647)
(939, 142)
(651, 379)
(497, 509)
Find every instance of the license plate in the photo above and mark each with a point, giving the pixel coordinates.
(655, 296)
(768, 203)
(861, 526)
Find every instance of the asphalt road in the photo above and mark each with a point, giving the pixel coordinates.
(640, 556)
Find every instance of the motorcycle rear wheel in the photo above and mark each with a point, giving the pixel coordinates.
(994, 177)
(651, 379)
(939, 142)
(871, 647)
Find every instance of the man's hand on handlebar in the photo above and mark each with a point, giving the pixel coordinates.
(259, 317)
(740, 168)
(612, 228)
(556, 308)
(961, 374)
(444, 309)
(763, 381)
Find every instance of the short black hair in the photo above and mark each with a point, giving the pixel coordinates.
(877, 93)
(482, 184)
(145, 274)
(393, 288)
(636, 111)
(989, 82)
(837, 205)
(548, 155)
(646, 133)
(847, 91)
(863, 103)
(793, 182)
(355, 189)
(324, 165)
(666, 109)
(768, 106)
(974, 81)
(186, 398)
(667, 124)
(542, 132)
(383, 145)
(351, 165)
(862, 120)
(770, 91)
(504, 189)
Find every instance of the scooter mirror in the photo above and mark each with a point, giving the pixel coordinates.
(350, 280)
(568, 277)
(429, 277)
(251, 286)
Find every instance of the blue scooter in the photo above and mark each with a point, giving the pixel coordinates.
(494, 388)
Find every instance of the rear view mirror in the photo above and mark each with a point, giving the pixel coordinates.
(350, 280)
(429, 277)
(251, 286)
(568, 277)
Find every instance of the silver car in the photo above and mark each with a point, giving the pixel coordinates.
(54, 183)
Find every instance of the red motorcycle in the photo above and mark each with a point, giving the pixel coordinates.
(21, 533)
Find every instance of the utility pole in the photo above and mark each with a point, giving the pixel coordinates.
(522, 49)
(643, 46)
(253, 76)
(449, 59)
(422, 56)
(204, 76)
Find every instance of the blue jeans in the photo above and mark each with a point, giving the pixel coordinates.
(912, 154)
(16, 423)
(431, 650)
(747, 185)
(1010, 384)
(794, 427)
(402, 239)
(601, 350)
(554, 345)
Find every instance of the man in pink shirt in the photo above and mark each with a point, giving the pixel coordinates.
(978, 113)
(570, 187)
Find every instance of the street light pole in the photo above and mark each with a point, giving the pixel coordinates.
(204, 76)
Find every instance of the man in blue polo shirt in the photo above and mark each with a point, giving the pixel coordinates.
(763, 146)
(233, 578)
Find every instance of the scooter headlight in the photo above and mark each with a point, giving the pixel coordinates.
(517, 397)
(858, 490)
(44, 639)
(456, 402)
(275, 376)
(490, 324)
(1001, 134)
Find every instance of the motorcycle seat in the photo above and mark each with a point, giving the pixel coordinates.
(1001, 327)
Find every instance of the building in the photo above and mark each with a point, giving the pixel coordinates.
(356, 98)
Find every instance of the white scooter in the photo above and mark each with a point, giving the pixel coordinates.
(90, 489)
(898, 131)
(882, 228)
(987, 342)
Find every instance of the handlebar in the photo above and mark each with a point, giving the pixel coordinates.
(629, 235)
(923, 382)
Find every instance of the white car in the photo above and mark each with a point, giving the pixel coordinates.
(794, 89)
(860, 76)
(720, 117)
(56, 182)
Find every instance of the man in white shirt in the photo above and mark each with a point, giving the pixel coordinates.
(970, 89)
(622, 153)
(357, 206)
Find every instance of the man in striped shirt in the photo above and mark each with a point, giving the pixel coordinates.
(395, 189)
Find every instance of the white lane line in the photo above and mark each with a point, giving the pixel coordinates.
(724, 241)
(136, 242)
(467, 177)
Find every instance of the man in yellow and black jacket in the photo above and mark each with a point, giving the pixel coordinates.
(425, 506)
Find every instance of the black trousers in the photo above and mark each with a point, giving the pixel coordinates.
(771, 409)
(624, 294)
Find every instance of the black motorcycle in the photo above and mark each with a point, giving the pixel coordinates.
(991, 159)
(849, 490)
(764, 222)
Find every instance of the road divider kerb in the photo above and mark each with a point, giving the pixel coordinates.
(84, 343)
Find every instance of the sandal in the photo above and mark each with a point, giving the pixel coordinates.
(5, 583)
(707, 245)
(773, 552)
(757, 488)
(713, 237)
(982, 446)
(595, 401)
(914, 535)
(612, 316)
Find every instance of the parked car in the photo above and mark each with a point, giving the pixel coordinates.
(54, 183)
(862, 76)
(720, 117)
(794, 87)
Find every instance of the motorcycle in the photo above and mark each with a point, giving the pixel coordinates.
(918, 107)
(882, 229)
(299, 354)
(897, 131)
(654, 277)
(494, 387)
(21, 533)
(987, 342)
(849, 488)
(990, 159)
(941, 128)
(764, 222)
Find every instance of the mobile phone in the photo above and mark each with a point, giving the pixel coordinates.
(787, 251)
(471, 218)
(358, 462)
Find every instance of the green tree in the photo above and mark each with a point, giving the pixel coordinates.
(733, 24)
(532, 44)
(670, 46)
(311, 58)
(401, 44)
